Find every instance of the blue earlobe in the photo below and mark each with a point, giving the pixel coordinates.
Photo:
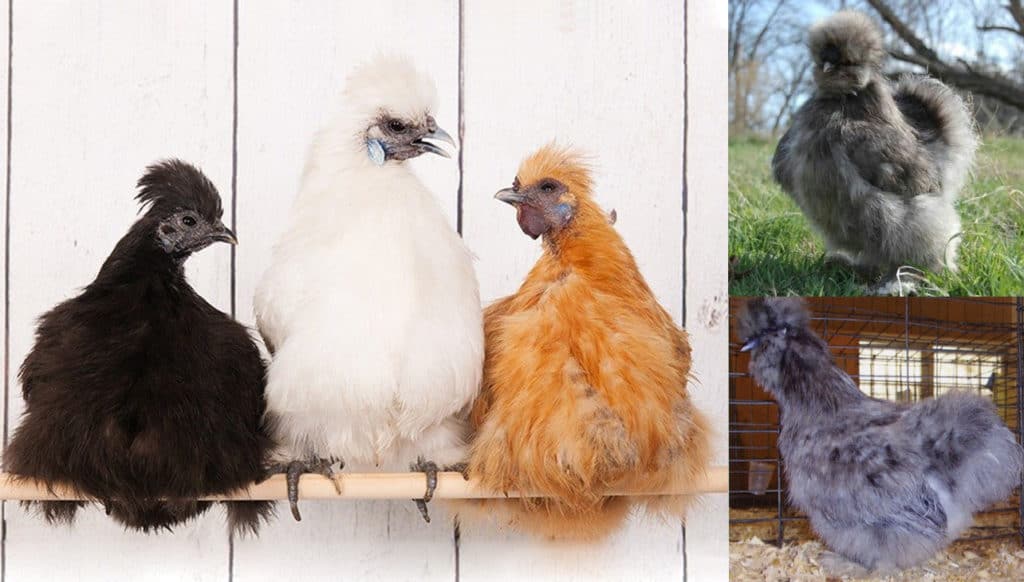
(375, 149)
(564, 212)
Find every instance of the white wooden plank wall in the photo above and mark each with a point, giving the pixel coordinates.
(706, 256)
(584, 73)
(100, 88)
(291, 67)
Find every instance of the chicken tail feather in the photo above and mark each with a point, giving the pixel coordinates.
(246, 517)
(943, 123)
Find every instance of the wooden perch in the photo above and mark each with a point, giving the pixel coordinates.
(355, 486)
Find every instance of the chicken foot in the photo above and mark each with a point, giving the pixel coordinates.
(293, 472)
(431, 469)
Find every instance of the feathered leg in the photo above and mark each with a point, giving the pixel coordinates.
(839, 566)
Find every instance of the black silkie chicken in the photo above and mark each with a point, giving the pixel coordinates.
(876, 166)
(885, 485)
(138, 392)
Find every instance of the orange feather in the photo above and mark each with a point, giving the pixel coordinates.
(585, 379)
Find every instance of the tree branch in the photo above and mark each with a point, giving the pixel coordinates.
(993, 86)
(961, 75)
(1016, 10)
(903, 31)
(1000, 28)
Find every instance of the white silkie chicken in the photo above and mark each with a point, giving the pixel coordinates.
(370, 307)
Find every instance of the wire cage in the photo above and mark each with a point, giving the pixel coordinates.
(900, 349)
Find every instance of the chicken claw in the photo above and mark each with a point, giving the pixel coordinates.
(461, 468)
(293, 472)
(430, 468)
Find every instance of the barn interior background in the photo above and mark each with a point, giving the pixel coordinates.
(900, 349)
(97, 89)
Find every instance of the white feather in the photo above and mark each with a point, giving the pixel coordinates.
(371, 301)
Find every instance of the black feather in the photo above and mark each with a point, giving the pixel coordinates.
(171, 185)
(138, 392)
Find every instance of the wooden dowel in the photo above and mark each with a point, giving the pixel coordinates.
(357, 486)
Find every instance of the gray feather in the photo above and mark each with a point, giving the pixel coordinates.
(876, 167)
(885, 485)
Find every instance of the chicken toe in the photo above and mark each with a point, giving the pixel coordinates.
(430, 468)
(294, 471)
(462, 468)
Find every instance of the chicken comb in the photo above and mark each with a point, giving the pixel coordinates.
(172, 185)
(562, 163)
(766, 314)
(854, 34)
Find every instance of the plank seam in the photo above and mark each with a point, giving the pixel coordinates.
(462, 117)
(7, 274)
(6, 278)
(461, 57)
(234, 209)
(685, 205)
(684, 552)
(686, 152)
(234, 150)
(457, 538)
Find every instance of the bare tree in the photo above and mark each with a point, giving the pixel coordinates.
(980, 76)
(765, 74)
(1016, 13)
(974, 45)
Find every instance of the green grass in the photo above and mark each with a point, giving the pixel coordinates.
(774, 251)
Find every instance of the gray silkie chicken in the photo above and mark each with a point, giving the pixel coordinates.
(876, 166)
(885, 485)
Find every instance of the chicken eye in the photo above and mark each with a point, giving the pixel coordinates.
(188, 221)
(396, 126)
(547, 187)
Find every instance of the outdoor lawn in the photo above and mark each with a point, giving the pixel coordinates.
(774, 252)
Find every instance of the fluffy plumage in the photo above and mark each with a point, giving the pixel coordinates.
(885, 485)
(137, 391)
(370, 304)
(585, 373)
(876, 166)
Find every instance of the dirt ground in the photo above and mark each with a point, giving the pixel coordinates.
(754, 557)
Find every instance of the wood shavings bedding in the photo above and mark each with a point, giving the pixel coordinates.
(754, 560)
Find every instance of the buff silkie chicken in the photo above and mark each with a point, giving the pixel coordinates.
(370, 306)
(585, 374)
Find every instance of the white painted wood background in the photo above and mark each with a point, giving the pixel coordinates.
(99, 88)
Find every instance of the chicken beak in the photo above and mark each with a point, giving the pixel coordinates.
(224, 234)
(751, 344)
(510, 196)
(826, 67)
(437, 134)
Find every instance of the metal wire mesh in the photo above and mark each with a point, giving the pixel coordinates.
(900, 349)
